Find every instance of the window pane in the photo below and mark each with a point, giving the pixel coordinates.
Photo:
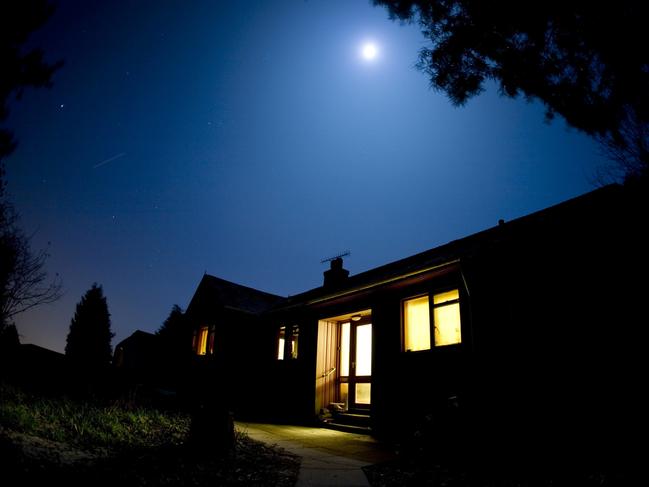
(447, 324)
(211, 343)
(363, 393)
(280, 347)
(364, 350)
(294, 337)
(448, 296)
(344, 393)
(202, 341)
(416, 317)
(344, 350)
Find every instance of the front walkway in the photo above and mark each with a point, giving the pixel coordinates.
(328, 457)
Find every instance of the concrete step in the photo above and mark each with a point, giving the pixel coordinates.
(348, 428)
(352, 418)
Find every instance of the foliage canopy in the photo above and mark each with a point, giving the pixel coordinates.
(585, 61)
(21, 67)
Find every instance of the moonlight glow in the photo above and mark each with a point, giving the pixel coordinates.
(369, 51)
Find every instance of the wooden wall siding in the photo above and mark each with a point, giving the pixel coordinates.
(327, 359)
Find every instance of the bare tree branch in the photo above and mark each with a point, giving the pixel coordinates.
(629, 150)
(24, 282)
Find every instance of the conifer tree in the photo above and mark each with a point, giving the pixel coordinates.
(176, 341)
(88, 342)
(174, 328)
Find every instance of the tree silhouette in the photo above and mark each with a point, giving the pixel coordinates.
(88, 342)
(582, 60)
(174, 328)
(176, 341)
(23, 280)
(22, 275)
(20, 68)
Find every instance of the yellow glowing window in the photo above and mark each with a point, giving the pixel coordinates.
(201, 342)
(416, 324)
(446, 317)
(288, 338)
(295, 334)
(281, 342)
(210, 342)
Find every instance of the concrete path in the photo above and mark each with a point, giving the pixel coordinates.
(330, 458)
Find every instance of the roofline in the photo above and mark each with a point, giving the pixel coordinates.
(382, 282)
(430, 253)
(273, 299)
(426, 255)
(206, 275)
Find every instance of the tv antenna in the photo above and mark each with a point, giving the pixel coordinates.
(346, 253)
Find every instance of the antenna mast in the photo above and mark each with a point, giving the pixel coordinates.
(346, 253)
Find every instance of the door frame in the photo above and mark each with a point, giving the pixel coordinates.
(352, 379)
(328, 364)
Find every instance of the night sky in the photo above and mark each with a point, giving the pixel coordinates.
(250, 140)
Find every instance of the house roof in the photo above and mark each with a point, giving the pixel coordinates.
(591, 206)
(139, 337)
(571, 210)
(33, 351)
(234, 296)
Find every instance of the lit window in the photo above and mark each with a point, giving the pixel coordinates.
(445, 320)
(281, 341)
(446, 317)
(210, 342)
(416, 324)
(287, 342)
(295, 333)
(201, 342)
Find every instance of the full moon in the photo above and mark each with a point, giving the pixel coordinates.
(369, 51)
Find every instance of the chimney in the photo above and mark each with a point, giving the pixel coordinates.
(336, 275)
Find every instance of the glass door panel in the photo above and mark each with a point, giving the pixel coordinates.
(363, 393)
(363, 357)
(344, 349)
(355, 364)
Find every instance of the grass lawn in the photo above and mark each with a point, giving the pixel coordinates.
(72, 442)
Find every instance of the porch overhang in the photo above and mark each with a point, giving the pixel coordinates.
(396, 281)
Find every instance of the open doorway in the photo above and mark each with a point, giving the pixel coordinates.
(344, 362)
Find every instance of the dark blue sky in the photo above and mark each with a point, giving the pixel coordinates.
(250, 140)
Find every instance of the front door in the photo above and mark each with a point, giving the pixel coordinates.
(356, 363)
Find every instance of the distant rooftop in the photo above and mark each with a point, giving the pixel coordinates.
(236, 296)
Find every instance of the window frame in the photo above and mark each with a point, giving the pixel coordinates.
(290, 332)
(403, 323)
(430, 294)
(211, 340)
(199, 341)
